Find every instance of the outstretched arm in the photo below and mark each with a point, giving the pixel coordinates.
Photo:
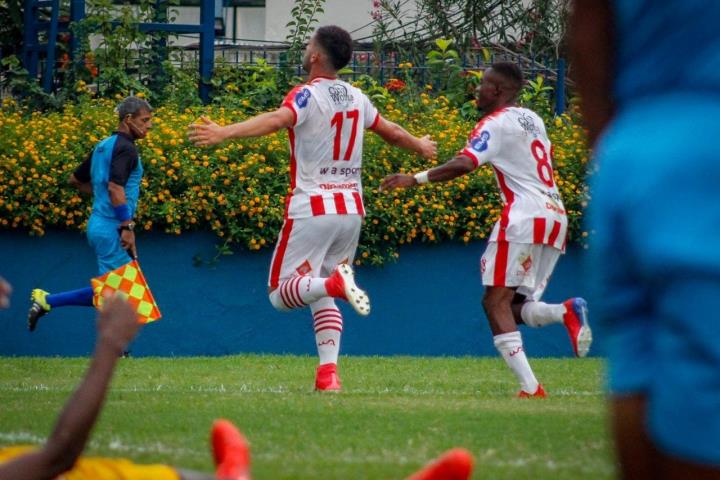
(592, 52)
(458, 166)
(117, 325)
(395, 135)
(210, 133)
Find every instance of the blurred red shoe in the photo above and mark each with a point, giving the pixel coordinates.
(576, 323)
(539, 393)
(231, 452)
(327, 378)
(455, 464)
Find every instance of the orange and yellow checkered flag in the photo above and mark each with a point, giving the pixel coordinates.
(129, 280)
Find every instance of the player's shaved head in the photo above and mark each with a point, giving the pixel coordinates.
(336, 43)
(510, 73)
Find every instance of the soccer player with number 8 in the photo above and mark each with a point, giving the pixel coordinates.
(529, 237)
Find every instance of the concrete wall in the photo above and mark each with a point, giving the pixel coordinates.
(428, 303)
(349, 14)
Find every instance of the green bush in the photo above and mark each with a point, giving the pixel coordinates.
(237, 190)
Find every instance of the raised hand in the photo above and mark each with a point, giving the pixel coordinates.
(428, 147)
(117, 322)
(205, 133)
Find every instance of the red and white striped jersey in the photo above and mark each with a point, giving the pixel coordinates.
(514, 141)
(326, 143)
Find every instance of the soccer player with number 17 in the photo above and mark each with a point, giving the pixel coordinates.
(326, 120)
(529, 237)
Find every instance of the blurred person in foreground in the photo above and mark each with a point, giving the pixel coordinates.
(60, 456)
(649, 78)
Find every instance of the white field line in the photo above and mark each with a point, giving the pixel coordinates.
(114, 444)
(283, 390)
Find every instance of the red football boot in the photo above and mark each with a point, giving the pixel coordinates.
(341, 284)
(576, 323)
(327, 378)
(231, 452)
(455, 464)
(539, 393)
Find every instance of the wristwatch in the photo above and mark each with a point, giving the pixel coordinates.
(130, 227)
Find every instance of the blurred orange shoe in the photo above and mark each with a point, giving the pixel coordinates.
(231, 452)
(455, 464)
(327, 378)
(539, 393)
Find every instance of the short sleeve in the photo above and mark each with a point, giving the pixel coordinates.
(483, 143)
(372, 116)
(82, 173)
(124, 161)
(300, 101)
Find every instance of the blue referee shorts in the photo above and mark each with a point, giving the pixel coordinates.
(104, 238)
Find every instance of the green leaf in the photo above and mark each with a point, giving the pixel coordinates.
(443, 44)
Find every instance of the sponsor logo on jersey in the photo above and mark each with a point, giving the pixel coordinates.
(527, 124)
(302, 97)
(480, 143)
(345, 171)
(483, 265)
(339, 94)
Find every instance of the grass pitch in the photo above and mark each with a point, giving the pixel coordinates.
(393, 415)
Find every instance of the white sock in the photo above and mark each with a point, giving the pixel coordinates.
(539, 314)
(328, 324)
(511, 348)
(297, 292)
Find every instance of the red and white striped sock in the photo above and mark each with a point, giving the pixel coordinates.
(511, 348)
(328, 324)
(297, 292)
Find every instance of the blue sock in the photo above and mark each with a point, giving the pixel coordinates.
(82, 297)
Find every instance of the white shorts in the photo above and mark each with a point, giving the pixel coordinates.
(314, 246)
(526, 266)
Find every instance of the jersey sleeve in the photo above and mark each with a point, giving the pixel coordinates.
(372, 116)
(483, 144)
(301, 102)
(82, 172)
(124, 161)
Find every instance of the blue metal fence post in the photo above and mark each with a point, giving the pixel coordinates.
(560, 88)
(30, 39)
(51, 46)
(207, 47)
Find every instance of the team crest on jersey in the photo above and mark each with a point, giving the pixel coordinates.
(526, 264)
(339, 94)
(302, 97)
(304, 269)
(527, 124)
(480, 143)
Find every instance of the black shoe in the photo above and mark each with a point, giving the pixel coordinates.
(36, 311)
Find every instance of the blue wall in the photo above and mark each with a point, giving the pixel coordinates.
(428, 303)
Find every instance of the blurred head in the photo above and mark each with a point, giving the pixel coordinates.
(331, 46)
(500, 86)
(135, 116)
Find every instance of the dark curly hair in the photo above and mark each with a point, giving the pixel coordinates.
(337, 43)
